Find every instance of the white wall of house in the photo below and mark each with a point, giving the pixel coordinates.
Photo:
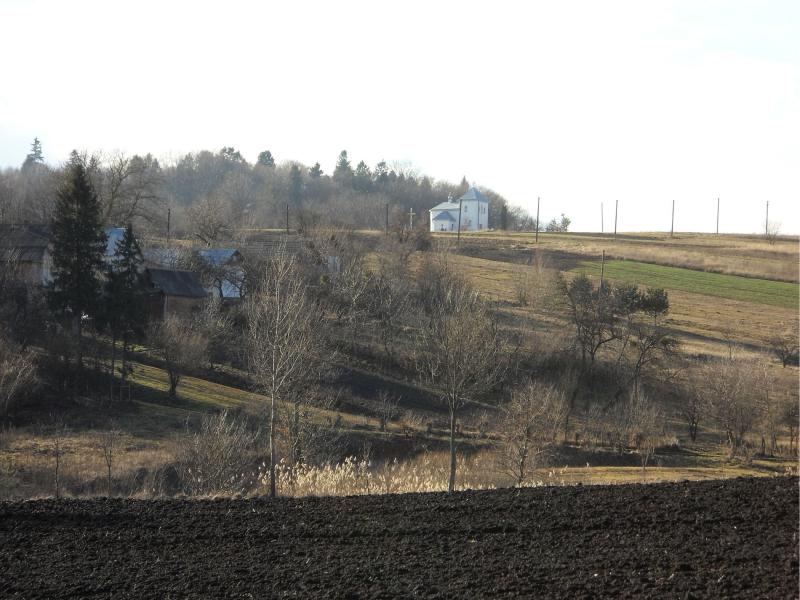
(474, 217)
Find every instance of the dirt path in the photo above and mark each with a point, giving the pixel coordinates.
(715, 539)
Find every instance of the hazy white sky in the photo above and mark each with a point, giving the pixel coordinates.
(576, 102)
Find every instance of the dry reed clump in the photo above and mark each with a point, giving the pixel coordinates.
(359, 476)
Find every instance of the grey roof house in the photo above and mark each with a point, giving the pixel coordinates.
(174, 292)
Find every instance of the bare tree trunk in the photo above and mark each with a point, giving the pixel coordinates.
(272, 487)
(113, 364)
(451, 484)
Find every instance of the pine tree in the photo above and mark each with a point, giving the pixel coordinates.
(35, 156)
(124, 311)
(381, 174)
(295, 185)
(343, 172)
(265, 159)
(315, 172)
(78, 245)
(363, 177)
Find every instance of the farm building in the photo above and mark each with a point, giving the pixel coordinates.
(473, 207)
(29, 247)
(174, 292)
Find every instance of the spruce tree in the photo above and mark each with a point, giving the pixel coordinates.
(315, 172)
(78, 244)
(265, 159)
(295, 185)
(363, 177)
(124, 310)
(343, 172)
(35, 157)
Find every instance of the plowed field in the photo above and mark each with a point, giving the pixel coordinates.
(717, 539)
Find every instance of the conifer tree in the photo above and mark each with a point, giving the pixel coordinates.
(363, 177)
(343, 171)
(35, 156)
(265, 159)
(295, 185)
(315, 172)
(381, 174)
(78, 245)
(124, 309)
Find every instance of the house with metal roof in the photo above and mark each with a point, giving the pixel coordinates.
(174, 292)
(472, 209)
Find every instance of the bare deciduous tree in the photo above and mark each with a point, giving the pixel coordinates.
(729, 390)
(531, 420)
(108, 442)
(282, 339)
(17, 373)
(219, 457)
(387, 409)
(210, 220)
(459, 353)
(129, 188)
(786, 349)
(692, 409)
(181, 346)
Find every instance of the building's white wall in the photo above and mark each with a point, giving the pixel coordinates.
(474, 217)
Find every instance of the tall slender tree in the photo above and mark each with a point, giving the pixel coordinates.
(78, 243)
(35, 156)
(295, 185)
(124, 309)
(344, 171)
(265, 159)
(315, 172)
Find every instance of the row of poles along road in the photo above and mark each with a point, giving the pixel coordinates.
(411, 216)
(671, 226)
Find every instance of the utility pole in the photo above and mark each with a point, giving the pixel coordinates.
(717, 215)
(616, 210)
(411, 218)
(386, 228)
(169, 217)
(287, 219)
(458, 237)
(602, 223)
(537, 219)
(602, 269)
(672, 225)
(766, 221)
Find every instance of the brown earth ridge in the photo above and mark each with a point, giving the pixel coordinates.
(714, 539)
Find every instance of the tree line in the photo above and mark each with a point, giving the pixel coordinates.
(209, 195)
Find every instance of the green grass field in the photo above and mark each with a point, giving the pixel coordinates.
(746, 289)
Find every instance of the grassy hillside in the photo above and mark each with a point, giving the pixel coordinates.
(744, 255)
(759, 291)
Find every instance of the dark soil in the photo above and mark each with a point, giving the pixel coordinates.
(737, 538)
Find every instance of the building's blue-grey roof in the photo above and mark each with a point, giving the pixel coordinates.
(113, 235)
(177, 283)
(473, 194)
(217, 256)
(444, 216)
(446, 206)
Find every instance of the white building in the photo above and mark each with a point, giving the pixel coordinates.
(474, 213)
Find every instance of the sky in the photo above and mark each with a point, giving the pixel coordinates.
(578, 103)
